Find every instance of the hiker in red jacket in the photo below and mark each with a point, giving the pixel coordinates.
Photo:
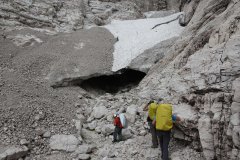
(117, 134)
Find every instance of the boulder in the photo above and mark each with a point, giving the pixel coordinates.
(84, 156)
(99, 112)
(131, 113)
(126, 134)
(107, 129)
(47, 134)
(83, 149)
(12, 152)
(92, 125)
(66, 143)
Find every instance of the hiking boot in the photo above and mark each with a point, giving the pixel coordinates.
(114, 141)
(153, 146)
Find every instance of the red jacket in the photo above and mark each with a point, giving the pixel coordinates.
(117, 122)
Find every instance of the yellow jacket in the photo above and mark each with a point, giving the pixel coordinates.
(152, 110)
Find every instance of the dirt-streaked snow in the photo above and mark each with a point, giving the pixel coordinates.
(135, 36)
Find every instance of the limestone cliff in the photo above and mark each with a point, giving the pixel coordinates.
(201, 74)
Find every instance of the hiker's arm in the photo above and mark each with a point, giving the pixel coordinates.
(176, 118)
(114, 122)
(146, 107)
(154, 121)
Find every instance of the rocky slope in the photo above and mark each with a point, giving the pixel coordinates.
(64, 16)
(198, 74)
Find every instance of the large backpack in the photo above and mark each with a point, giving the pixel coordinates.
(123, 120)
(164, 117)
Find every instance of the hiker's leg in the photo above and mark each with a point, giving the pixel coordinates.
(160, 140)
(120, 134)
(115, 134)
(154, 135)
(166, 140)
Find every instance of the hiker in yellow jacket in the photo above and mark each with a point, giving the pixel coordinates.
(164, 123)
(151, 107)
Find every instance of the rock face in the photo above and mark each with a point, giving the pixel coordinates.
(64, 15)
(202, 70)
(151, 5)
(144, 62)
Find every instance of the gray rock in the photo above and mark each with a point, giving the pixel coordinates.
(84, 156)
(235, 107)
(236, 136)
(64, 72)
(47, 134)
(126, 133)
(131, 113)
(151, 56)
(83, 149)
(235, 119)
(107, 129)
(24, 142)
(12, 152)
(92, 125)
(99, 112)
(236, 86)
(67, 143)
(40, 131)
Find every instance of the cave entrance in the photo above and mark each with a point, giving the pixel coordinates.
(121, 81)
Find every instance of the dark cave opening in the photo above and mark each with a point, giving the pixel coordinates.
(121, 81)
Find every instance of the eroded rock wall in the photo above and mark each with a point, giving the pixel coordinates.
(64, 15)
(201, 73)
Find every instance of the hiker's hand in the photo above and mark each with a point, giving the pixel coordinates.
(154, 122)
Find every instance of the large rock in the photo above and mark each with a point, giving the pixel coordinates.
(107, 129)
(67, 143)
(151, 56)
(83, 149)
(74, 57)
(126, 133)
(99, 112)
(12, 152)
(131, 113)
(84, 156)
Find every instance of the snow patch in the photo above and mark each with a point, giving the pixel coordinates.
(135, 36)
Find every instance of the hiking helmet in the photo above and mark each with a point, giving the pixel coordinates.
(115, 114)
